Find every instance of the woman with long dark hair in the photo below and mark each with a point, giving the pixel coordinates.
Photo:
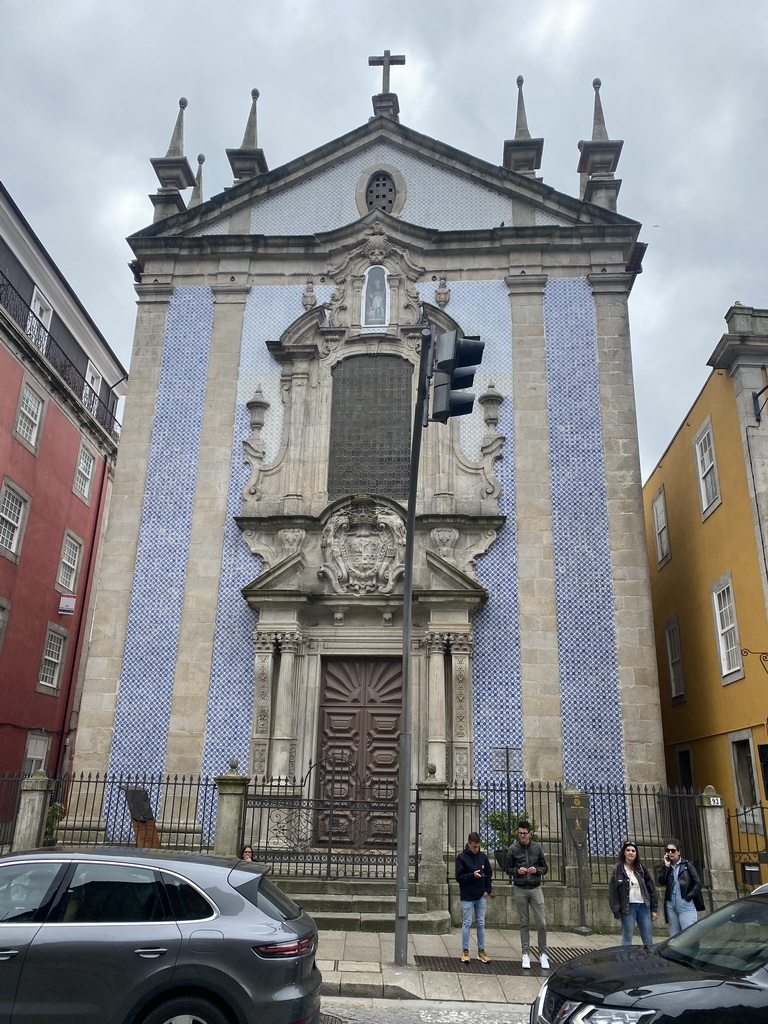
(632, 896)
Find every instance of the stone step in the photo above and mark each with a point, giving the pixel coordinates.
(431, 922)
(339, 903)
(295, 884)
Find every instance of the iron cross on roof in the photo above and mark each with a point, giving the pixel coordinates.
(384, 62)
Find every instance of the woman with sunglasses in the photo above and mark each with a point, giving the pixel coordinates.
(632, 896)
(682, 888)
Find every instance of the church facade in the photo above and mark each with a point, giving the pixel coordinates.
(250, 601)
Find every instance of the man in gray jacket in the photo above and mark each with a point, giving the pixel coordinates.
(526, 865)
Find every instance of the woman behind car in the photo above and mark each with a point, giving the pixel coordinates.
(682, 889)
(632, 896)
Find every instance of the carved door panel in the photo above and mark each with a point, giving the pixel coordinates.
(360, 710)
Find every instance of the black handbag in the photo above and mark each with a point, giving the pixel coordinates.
(698, 901)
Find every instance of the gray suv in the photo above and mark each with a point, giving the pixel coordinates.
(130, 936)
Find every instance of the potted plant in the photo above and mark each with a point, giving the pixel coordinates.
(52, 819)
(503, 825)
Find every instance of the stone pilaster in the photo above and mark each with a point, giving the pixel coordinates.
(539, 662)
(110, 624)
(641, 716)
(264, 667)
(198, 619)
(284, 737)
(460, 646)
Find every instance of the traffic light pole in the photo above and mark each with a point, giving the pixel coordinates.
(404, 760)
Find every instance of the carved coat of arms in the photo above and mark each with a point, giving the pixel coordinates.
(363, 546)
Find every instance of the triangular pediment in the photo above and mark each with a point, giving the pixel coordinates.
(446, 576)
(443, 190)
(285, 577)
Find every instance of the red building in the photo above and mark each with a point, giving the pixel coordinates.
(59, 387)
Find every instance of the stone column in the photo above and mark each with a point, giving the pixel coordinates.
(636, 646)
(539, 662)
(460, 645)
(32, 807)
(718, 857)
(229, 815)
(264, 667)
(436, 739)
(284, 736)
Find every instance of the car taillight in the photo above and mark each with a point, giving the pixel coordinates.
(295, 948)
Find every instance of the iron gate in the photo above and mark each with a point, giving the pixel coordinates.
(330, 824)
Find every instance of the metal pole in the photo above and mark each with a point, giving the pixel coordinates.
(404, 761)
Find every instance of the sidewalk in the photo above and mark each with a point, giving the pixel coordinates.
(361, 964)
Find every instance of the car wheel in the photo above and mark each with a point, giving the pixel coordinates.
(186, 1010)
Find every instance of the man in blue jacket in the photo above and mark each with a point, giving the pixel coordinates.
(474, 875)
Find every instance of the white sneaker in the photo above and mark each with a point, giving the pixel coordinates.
(544, 961)
(526, 962)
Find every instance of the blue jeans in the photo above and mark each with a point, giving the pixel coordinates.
(680, 914)
(638, 912)
(470, 909)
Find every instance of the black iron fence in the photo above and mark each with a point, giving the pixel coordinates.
(328, 824)
(646, 814)
(45, 343)
(87, 810)
(748, 845)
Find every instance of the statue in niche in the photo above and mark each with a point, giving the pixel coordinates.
(375, 299)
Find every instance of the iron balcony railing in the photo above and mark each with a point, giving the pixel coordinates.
(45, 343)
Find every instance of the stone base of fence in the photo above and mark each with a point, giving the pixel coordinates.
(562, 908)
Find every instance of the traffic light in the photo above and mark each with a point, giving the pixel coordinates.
(456, 360)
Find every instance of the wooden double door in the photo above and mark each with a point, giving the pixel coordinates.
(360, 713)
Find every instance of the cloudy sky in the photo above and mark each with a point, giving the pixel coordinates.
(90, 92)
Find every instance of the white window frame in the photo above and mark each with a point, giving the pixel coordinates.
(32, 444)
(661, 528)
(41, 308)
(727, 629)
(13, 552)
(36, 752)
(59, 649)
(84, 494)
(674, 660)
(91, 388)
(706, 469)
(67, 566)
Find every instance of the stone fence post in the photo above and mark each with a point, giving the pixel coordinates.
(716, 846)
(33, 804)
(433, 829)
(229, 816)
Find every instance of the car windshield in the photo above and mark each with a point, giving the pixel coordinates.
(732, 939)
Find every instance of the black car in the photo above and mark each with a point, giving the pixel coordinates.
(148, 937)
(715, 972)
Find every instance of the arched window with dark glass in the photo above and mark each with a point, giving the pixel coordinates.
(381, 192)
(371, 409)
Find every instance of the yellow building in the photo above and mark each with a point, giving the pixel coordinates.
(706, 513)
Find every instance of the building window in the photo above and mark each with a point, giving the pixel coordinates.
(5, 611)
(69, 563)
(84, 473)
(29, 417)
(36, 753)
(674, 660)
(726, 629)
(91, 388)
(375, 298)
(706, 466)
(41, 310)
(14, 504)
(381, 192)
(52, 663)
(660, 528)
(749, 813)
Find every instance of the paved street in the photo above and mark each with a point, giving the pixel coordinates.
(404, 1011)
